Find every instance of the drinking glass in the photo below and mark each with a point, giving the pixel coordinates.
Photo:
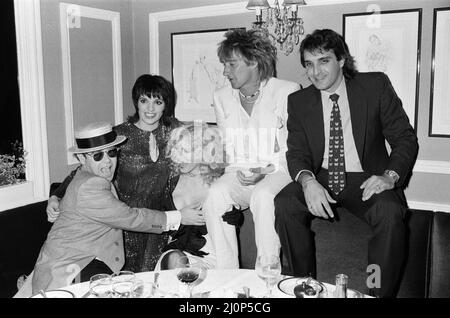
(188, 272)
(100, 285)
(122, 284)
(268, 268)
(141, 289)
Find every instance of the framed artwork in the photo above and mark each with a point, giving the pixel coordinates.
(389, 42)
(196, 73)
(440, 75)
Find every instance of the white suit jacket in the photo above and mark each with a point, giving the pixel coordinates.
(265, 129)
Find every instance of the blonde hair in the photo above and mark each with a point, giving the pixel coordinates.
(199, 144)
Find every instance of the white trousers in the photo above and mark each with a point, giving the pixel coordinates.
(227, 192)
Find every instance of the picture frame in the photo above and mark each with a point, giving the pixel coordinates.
(439, 125)
(196, 73)
(389, 42)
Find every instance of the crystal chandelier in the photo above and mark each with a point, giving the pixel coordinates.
(286, 26)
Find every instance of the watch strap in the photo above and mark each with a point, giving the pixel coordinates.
(394, 175)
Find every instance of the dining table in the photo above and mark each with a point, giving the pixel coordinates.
(213, 283)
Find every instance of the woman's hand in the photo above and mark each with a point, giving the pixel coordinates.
(257, 174)
(192, 216)
(52, 209)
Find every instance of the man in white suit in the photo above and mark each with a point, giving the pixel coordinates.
(87, 235)
(252, 114)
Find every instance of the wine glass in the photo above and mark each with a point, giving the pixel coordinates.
(188, 272)
(100, 285)
(268, 268)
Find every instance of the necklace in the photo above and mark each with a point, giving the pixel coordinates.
(249, 96)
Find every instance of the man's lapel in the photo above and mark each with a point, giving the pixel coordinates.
(358, 114)
(113, 190)
(314, 123)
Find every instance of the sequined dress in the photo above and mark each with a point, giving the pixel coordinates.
(142, 183)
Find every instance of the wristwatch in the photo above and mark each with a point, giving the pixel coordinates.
(394, 175)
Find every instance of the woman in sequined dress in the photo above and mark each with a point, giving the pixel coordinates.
(143, 173)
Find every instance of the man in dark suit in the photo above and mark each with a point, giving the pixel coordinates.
(354, 113)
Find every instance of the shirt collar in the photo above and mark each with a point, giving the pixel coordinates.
(341, 91)
(262, 85)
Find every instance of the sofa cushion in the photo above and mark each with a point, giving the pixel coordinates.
(414, 283)
(440, 254)
(341, 247)
(23, 230)
(247, 245)
(340, 251)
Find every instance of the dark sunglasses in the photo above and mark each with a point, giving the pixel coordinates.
(98, 156)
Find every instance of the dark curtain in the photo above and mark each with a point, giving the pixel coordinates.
(11, 127)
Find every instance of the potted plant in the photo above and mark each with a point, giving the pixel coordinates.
(12, 166)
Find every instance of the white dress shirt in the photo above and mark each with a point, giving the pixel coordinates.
(259, 139)
(352, 163)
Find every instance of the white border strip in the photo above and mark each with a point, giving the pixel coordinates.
(32, 108)
(429, 206)
(430, 166)
(114, 17)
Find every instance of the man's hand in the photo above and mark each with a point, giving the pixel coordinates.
(257, 175)
(52, 209)
(317, 199)
(192, 215)
(376, 185)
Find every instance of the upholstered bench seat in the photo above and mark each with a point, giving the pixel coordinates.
(341, 247)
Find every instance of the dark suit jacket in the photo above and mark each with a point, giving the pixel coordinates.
(376, 113)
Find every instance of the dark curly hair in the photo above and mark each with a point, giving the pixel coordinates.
(326, 40)
(252, 46)
(154, 86)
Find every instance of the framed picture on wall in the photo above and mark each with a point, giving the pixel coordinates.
(196, 73)
(440, 75)
(389, 42)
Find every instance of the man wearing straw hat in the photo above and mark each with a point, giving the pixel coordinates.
(87, 236)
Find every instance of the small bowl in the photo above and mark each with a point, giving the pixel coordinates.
(288, 285)
(307, 291)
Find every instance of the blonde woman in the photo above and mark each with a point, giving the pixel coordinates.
(198, 157)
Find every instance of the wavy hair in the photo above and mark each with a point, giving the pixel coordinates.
(202, 145)
(329, 40)
(252, 46)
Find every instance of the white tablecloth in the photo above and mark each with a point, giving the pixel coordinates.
(220, 283)
(215, 283)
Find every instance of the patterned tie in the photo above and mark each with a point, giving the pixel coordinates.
(336, 159)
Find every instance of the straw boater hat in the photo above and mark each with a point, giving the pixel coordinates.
(94, 137)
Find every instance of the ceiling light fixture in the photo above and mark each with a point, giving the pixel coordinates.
(283, 19)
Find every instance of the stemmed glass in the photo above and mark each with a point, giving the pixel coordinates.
(268, 268)
(188, 272)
